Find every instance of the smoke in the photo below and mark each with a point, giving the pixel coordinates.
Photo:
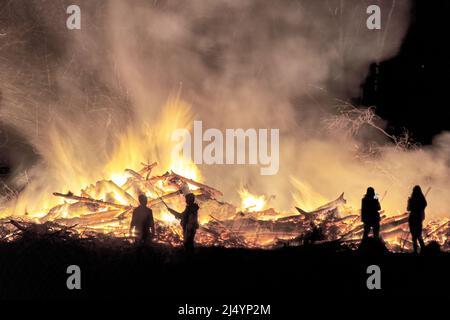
(80, 97)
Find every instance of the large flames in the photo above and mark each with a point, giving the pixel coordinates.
(104, 205)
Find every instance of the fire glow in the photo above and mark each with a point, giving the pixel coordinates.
(105, 206)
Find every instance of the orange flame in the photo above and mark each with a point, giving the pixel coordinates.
(251, 202)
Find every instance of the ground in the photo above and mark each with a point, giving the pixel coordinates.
(37, 269)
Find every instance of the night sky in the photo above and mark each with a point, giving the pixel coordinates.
(411, 90)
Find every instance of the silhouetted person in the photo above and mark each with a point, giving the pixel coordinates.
(189, 221)
(142, 221)
(416, 207)
(370, 215)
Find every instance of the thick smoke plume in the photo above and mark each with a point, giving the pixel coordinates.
(79, 102)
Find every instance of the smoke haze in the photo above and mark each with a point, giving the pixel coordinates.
(78, 99)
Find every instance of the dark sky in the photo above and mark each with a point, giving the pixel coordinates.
(413, 87)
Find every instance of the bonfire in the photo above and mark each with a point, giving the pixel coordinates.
(104, 208)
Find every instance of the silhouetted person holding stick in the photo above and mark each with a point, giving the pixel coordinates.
(189, 220)
(142, 222)
(370, 215)
(416, 207)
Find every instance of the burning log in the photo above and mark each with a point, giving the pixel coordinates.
(164, 197)
(441, 227)
(395, 218)
(213, 192)
(71, 196)
(138, 176)
(55, 212)
(398, 232)
(91, 218)
(134, 174)
(17, 225)
(112, 191)
(147, 169)
(135, 177)
(332, 205)
(45, 229)
(328, 208)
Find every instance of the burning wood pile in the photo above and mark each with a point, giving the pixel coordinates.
(331, 222)
(105, 207)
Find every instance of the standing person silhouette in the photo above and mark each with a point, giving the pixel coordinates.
(142, 221)
(189, 220)
(416, 208)
(370, 215)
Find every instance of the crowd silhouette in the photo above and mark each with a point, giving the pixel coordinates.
(143, 227)
(370, 215)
